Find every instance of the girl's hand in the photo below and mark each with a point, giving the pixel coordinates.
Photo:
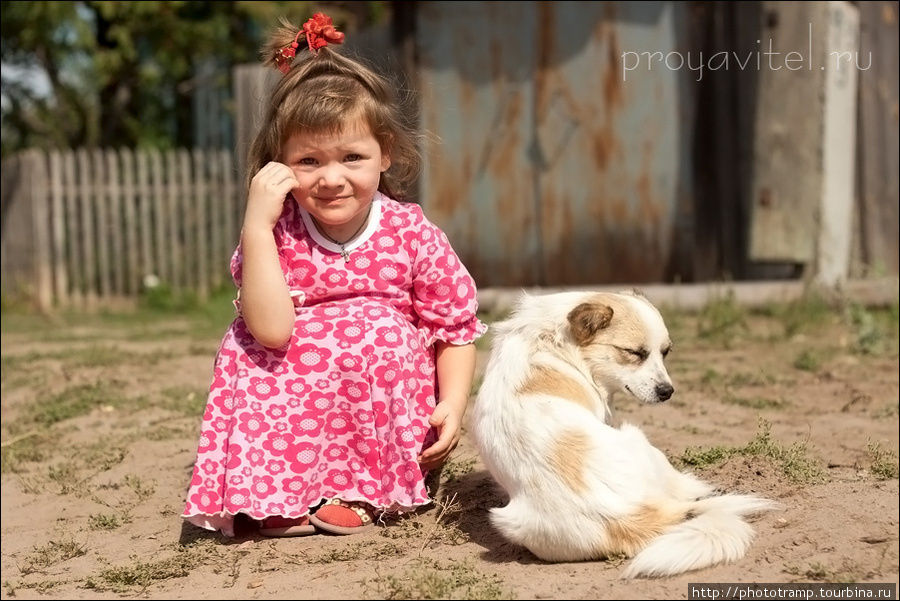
(265, 200)
(448, 422)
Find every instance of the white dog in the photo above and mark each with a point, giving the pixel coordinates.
(580, 489)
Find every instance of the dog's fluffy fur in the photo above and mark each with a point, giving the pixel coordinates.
(579, 488)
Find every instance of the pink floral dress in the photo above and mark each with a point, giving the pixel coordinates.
(342, 409)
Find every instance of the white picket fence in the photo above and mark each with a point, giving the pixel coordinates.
(87, 228)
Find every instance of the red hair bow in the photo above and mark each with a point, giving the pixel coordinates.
(319, 31)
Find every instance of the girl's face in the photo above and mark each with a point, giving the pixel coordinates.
(338, 173)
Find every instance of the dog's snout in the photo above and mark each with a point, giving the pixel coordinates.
(664, 391)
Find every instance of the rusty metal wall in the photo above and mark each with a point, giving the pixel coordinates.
(555, 166)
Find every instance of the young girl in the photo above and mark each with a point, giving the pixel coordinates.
(345, 377)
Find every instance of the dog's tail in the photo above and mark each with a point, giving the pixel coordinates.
(717, 533)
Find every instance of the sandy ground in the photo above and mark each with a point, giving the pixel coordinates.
(100, 420)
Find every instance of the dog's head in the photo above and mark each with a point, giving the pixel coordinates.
(624, 341)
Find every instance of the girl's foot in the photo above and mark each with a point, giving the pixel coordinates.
(342, 517)
(278, 526)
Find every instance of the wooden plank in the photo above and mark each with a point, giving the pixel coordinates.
(170, 219)
(879, 140)
(186, 219)
(114, 222)
(199, 202)
(160, 222)
(40, 204)
(130, 224)
(216, 217)
(58, 217)
(102, 225)
(787, 184)
(86, 210)
(75, 264)
(230, 207)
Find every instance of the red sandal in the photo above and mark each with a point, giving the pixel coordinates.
(278, 526)
(342, 517)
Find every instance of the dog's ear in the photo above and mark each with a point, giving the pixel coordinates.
(587, 319)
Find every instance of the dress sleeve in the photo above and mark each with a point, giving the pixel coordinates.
(444, 293)
(237, 263)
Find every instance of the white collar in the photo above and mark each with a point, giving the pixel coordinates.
(371, 224)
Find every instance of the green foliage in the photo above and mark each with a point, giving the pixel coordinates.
(121, 74)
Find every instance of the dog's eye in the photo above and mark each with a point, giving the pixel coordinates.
(640, 354)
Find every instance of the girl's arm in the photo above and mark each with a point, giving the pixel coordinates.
(265, 299)
(455, 366)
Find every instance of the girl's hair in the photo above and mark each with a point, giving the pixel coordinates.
(323, 93)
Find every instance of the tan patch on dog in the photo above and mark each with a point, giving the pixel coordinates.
(612, 314)
(587, 319)
(567, 457)
(544, 380)
(630, 534)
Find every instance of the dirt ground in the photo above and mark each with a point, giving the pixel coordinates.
(100, 418)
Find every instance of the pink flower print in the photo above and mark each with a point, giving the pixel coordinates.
(303, 273)
(339, 479)
(233, 456)
(364, 449)
(349, 362)
(291, 500)
(209, 467)
(389, 355)
(398, 407)
(381, 416)
(365, 431)
(224, 401)
(309, 358)
(220, 424)
(256, 457)
(275, 466)
(419, 430)
(389, 336)
(354, 391)
(256, 406)
(307, 423)
(313, 493)
(303, 456)
(368, 488)
(331, 312)
(322, 384)
(339, 423)
(387, 481)
(386, 376)
(275, 509)
(335, 452)
(405, 437)
(319, 401)
(356, 465)
(238, 498)
(297, 387)
(387, 244)
(293, 485)
(448, 263)
(277, 443)
(276, 412)
(349, 332)
(399, 222)
(256, 356)
(263, 388)
(408, 474)
(207, 442)
(253, 424)
(334, 376)
(263, 486)
(317, 330)
(374, 312)
(207, 501)
(386, 273)
(358, 285)
(246, 472)
(359, 263)
(364, 416)
(335, 277)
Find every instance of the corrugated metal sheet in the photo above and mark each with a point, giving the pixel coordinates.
(555, 165)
